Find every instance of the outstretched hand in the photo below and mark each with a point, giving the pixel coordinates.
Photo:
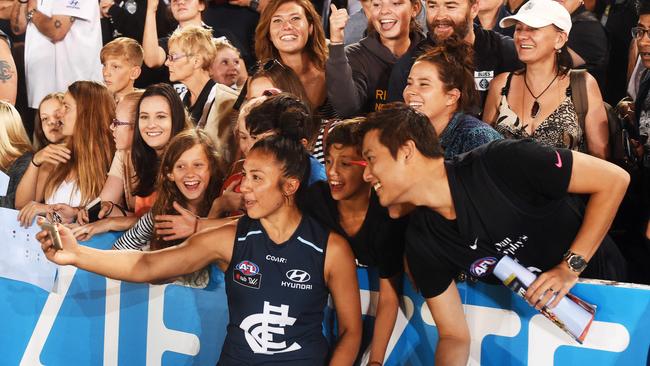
(173, 227)
(65, 256)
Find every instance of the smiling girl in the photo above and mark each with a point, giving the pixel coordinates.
(188, 181)
(357, 75)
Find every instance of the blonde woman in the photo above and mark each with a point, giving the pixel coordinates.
(72, 174)
(15, 150)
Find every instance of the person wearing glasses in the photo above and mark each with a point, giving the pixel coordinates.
(117, 199)
(536, 102)
(72, 174)
(346, 205)
(641, 34)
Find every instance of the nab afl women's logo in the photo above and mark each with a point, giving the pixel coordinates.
(248, 268)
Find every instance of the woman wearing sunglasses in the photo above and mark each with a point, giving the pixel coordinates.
(346, 205)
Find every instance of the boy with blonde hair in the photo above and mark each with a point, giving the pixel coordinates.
(121, 65)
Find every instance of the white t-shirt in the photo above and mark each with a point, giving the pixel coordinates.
(51, 67)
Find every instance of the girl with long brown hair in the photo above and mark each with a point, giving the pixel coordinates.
(73, 174)
(188, 181)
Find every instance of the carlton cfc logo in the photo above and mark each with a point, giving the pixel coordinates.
(248, 268)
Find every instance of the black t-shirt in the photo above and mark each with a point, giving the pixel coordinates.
(589, 40)
(240, 21)
(380, 240)
(511, 199)
(196, 110)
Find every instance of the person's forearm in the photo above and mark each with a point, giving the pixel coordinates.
(599, 214)
(19, 18)
(152, 50)
(55, 28)
(121, 223)
(213, 223)
(26, 191)
(346, 349)
(342, 91)
(129, 265)
(452, 351)
(384, 323)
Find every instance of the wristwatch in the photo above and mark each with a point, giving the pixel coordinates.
(254, 4)
(30, 15)
(575, 261)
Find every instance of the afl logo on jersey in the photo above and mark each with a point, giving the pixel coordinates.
(482, 267)
(247, 273)
(248, 268)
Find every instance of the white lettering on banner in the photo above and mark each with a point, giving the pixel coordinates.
(369, 301)
(32, 354)
(259, 332)
(112, 322)
(275, 259)
(161, 339)
(544, 338)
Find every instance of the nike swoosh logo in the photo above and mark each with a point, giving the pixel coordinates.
(559, 160)
(474, 246)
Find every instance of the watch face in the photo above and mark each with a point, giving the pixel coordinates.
(577, 262)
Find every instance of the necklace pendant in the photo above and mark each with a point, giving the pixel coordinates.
(534, 110)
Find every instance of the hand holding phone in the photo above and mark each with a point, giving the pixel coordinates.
(93, 209)
(54, 234)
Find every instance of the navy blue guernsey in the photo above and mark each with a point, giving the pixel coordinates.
(276, 297)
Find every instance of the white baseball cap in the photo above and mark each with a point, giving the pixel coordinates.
(540, 13)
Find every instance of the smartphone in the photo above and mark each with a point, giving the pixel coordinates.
(54, 234)
(93, 209)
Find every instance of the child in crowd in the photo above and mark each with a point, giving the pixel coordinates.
(121, 65)
(72, 174)
(117, 199)
(15, 150)
(346, 205)
(188, 181)
(47, 129)
(228, 68)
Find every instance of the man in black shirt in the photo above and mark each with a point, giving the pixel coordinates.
(493, 53)
(509, 197)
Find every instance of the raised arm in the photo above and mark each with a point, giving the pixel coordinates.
(135, 266)
(453, 342)
(19, 17)
(154, 55)
(341, 277)
(346, 90)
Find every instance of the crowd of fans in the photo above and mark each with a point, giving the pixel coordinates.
(163, 119)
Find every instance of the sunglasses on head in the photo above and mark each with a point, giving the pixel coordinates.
(268, 65)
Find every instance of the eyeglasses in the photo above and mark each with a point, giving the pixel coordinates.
(268, 65)
(175, 57)
(116, 122)
(638, 32)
